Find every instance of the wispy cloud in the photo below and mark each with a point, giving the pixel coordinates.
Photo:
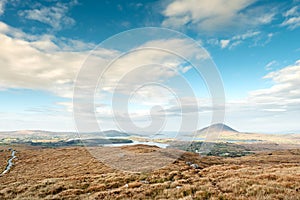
(215, 15)
(55, 16)
(224, 43)
(283, 95)
(269, 66)
(2, 6)
(246, 35)
(292, 18)
(274, 108)
(271, 106)
(285, 90)
(235, 40)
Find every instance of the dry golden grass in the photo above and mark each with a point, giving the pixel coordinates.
(72, 173)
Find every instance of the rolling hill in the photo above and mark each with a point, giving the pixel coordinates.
(49, 134)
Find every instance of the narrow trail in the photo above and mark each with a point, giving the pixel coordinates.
(9, 162)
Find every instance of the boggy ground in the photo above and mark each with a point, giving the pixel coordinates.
(5, 154)
(72, 173)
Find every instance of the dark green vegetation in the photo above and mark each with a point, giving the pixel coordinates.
(67, 143)
(97, 142)
(215, 149)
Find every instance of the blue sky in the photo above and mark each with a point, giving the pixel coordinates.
(254, 44)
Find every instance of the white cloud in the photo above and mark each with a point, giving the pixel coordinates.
(292, 18)
(276, 108)
(285, 90)
(215, 15)
(2, 6)
(144, 76)
(271, 64)
(37, 62)
(158, 64)
(15, 33)
(48, 63)
(224, 43)
(235, 40)
(246, 35)
(291, 12)
(55, 16)
(292, 23)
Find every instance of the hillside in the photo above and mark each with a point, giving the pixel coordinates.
(72, 173)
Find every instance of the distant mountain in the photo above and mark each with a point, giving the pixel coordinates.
(224, 133)
(217, 128)
(35, 134)
(114, 133)
(49, 134)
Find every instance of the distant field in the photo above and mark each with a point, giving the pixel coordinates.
(72, 173)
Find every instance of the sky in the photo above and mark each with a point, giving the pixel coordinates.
(252, 47)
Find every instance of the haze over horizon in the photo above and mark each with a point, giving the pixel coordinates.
(254, 44)
(166, 131)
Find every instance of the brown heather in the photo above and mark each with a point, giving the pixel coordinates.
(72, 173)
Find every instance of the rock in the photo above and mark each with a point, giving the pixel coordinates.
(188, 163)
(195, 166)
(144, 181)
